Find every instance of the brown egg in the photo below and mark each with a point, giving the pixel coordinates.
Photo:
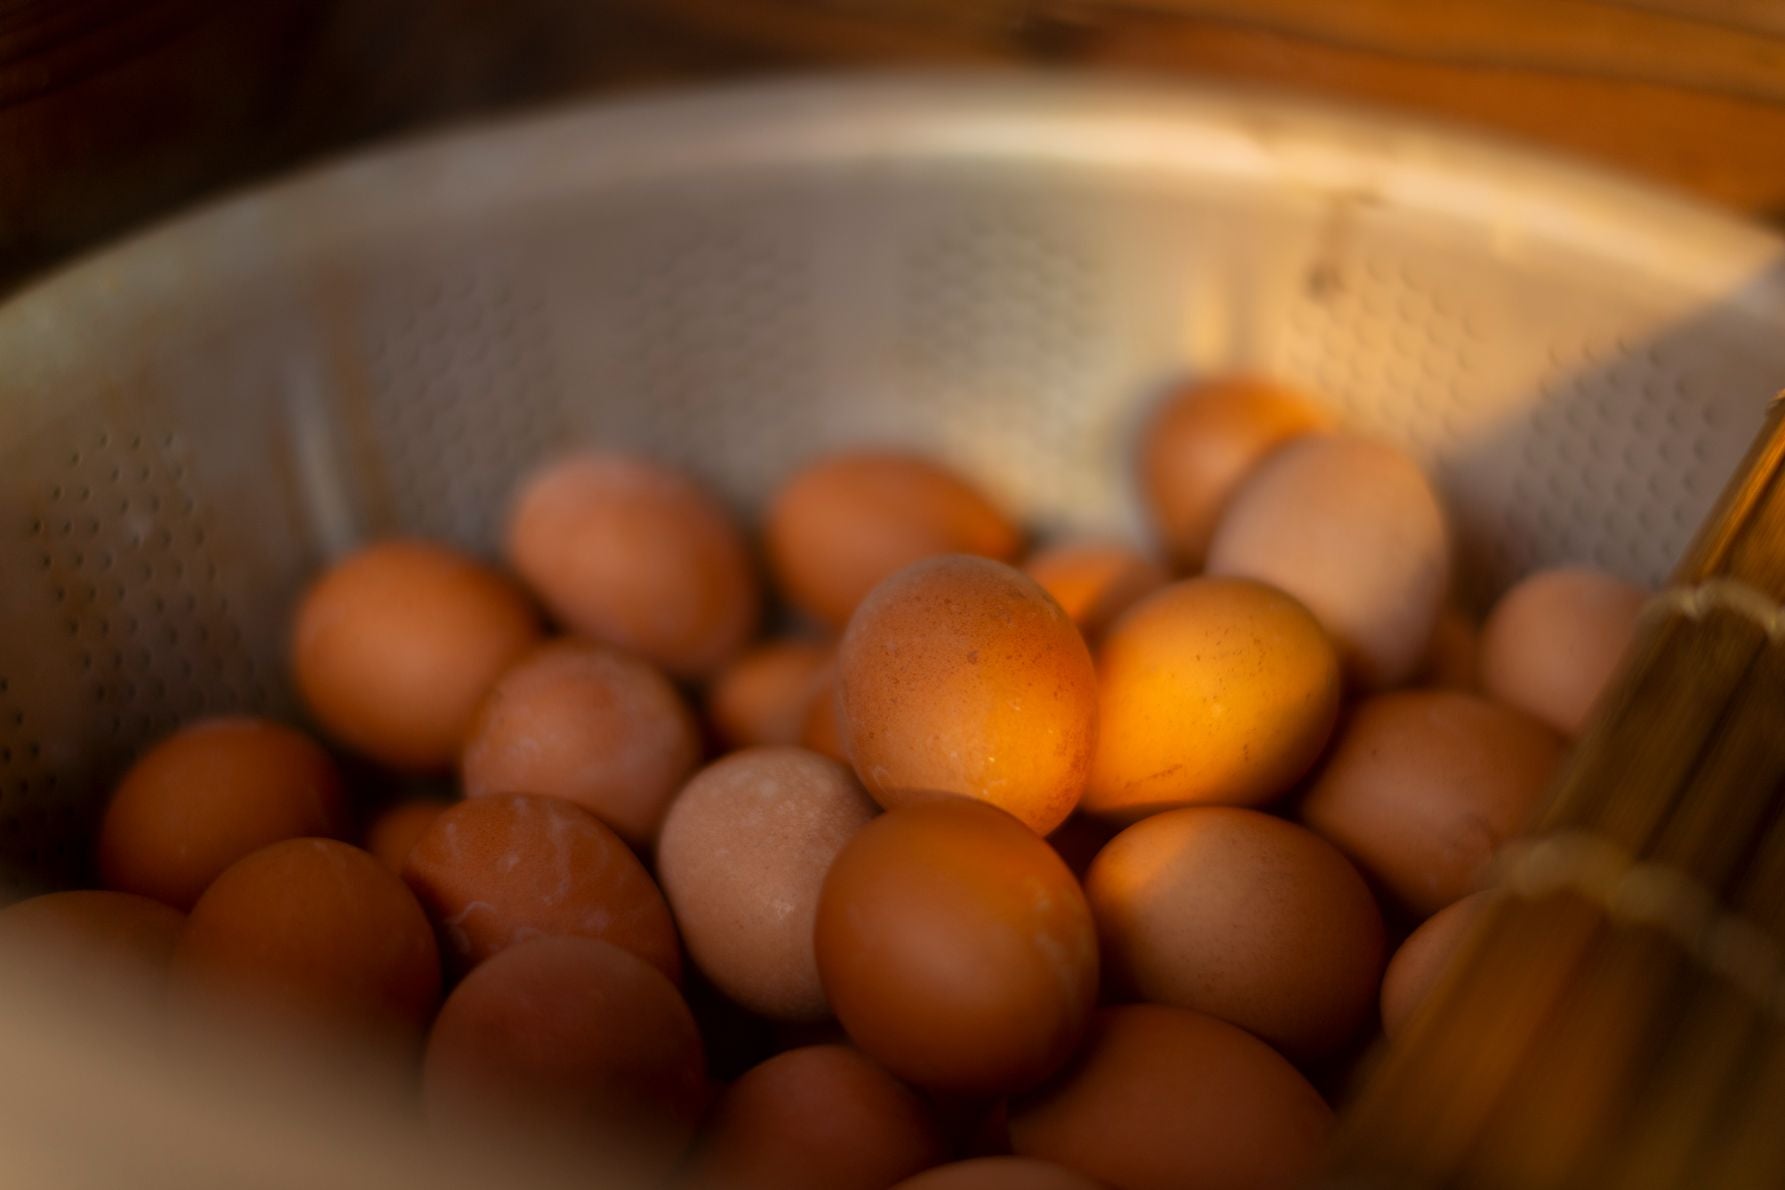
(394, 831)
(1202, 441)
(575, 1044)
(960, 676)
(1352, 529)
(822, 731)
(395, 646)
(999, 1173)
(1421, 959)
(633, 553)
(1452, 657)
(589, 724)
(1168, 1098)
(209, 794)
(315, 928)
(1551, 643)
(840, 527)
(1423, 786)
(824, 1118)
(956, 948)
(493, 872)
(1242, 916)
(1218, 691)
(742, 857)
(764, 695)
(1095, 580)
(109, 925)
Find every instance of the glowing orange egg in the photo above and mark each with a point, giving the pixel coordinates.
(959, 676)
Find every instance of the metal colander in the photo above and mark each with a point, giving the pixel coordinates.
(1001, 271)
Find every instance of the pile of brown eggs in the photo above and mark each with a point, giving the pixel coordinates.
(1060, 868)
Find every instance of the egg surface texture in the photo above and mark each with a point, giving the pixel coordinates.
(956, 948)
(960, 676)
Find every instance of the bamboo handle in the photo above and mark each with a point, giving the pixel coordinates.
(1744, 537)
(1617, 1016)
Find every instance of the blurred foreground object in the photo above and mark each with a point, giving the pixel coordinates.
(1613, 1017)
(166, 1106)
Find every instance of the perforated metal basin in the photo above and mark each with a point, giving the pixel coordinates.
(1001, 271)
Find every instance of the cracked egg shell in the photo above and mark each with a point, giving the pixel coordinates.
(496, 871)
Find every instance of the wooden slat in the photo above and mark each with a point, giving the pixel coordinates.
(1758, 485)
(1684, 670)
(1698, 103)
(1723, 147)
(1587, 38)
(1747, 16)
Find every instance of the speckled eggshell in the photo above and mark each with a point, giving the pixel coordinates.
(961, 676)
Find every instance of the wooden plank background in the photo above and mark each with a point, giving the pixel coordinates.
(115, 111)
